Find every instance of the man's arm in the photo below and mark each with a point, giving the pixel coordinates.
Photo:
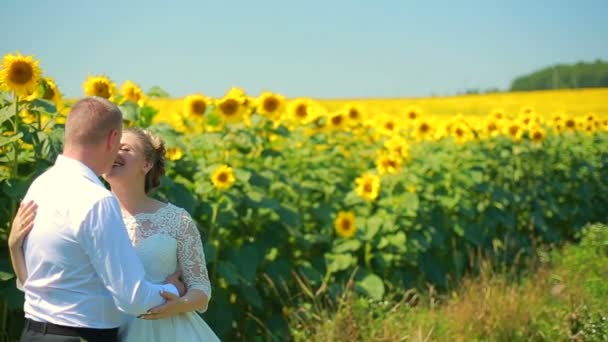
(104, 238)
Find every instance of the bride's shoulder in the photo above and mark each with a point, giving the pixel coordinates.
(182, 213)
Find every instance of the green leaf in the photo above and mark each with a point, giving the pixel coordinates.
(338, 262)
(372, 285)
(242, 176)
(4, 276)
(158, 92)
(246, 260)
(7, 140)
(41, 105)
(130, 111)
(229, 272)
(252, 296)
(347, 246)
(6, 113)
(374, 224)
(289, 216)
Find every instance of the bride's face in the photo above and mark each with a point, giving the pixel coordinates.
(130, 164)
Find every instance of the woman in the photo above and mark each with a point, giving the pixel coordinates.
(164, 236)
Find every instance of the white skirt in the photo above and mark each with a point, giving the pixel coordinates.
(183, 327)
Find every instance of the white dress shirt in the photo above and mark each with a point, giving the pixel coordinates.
(82, 269)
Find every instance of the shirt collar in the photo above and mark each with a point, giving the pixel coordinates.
(77, 166)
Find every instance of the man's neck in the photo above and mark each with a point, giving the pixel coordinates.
(87, 157)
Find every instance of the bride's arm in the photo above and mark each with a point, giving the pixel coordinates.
(22, 225)
(191, 260)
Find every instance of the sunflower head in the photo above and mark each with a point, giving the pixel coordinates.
(354, 115)
(195, 105)
(303, 111)
(388, 163)
(514, 130)
(337, 120)
(100, 86)
(368, 186)
(413, 113)
(462, 132)
(497, 114)
(223, 177)
(398, 146)
(537, 134)
(345, 224)
(423, 130)
(271, 105)
(230, 108)
(132, 92)
(47, 90)
(174, 153)
(19, 74)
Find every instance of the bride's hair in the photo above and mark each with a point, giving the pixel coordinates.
(154, 151)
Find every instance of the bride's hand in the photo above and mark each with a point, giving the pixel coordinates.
(171, 307)
(22, 225)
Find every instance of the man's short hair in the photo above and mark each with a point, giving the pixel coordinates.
(90, 120)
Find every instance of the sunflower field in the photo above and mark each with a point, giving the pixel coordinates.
(295, 198)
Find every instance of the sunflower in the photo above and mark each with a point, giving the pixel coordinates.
(19, 74)
(345, 224)
(387, 126)
(462, 132)
(223, 177)
(100, 86)
(570, 124)
(412, 113)
(497, 113)
(398, 145)
(388, 163)
(236, 92)
(537, 134)
(303, 111)
(423, 130)
(195, 105)
(174, 153)
(354, 115)
(337, 120)
(368, 186)
(514, 130)
(231, 108)
(132, 92)
(47, 90)
(270, 105)
(491, 127)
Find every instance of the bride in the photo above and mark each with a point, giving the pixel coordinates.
(164, 236)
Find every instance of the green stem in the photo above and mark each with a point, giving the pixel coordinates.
(14, 170)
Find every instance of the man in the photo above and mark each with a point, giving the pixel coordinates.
(82, 270)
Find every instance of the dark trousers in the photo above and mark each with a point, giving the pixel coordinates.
(36, 331)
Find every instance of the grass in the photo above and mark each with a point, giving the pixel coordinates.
(561, 297)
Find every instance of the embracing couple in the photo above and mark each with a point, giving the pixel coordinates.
(104, 265)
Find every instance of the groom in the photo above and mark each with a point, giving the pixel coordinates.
(83, 273)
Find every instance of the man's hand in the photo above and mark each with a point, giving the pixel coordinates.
(170, 308)
(174, 279)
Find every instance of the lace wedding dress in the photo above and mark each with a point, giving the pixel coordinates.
(165, 241)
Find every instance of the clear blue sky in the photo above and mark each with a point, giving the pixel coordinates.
(316, 48)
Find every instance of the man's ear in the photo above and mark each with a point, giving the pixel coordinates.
(112, 139)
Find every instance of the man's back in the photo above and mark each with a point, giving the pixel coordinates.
(62, 283)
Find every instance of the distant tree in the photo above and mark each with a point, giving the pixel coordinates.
(560, 76)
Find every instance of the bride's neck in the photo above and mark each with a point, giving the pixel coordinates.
(131, 198)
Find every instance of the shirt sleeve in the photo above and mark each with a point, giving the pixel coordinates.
(104, 238)
(191, 257)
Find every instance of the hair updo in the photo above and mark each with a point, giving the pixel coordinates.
(154, 152)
